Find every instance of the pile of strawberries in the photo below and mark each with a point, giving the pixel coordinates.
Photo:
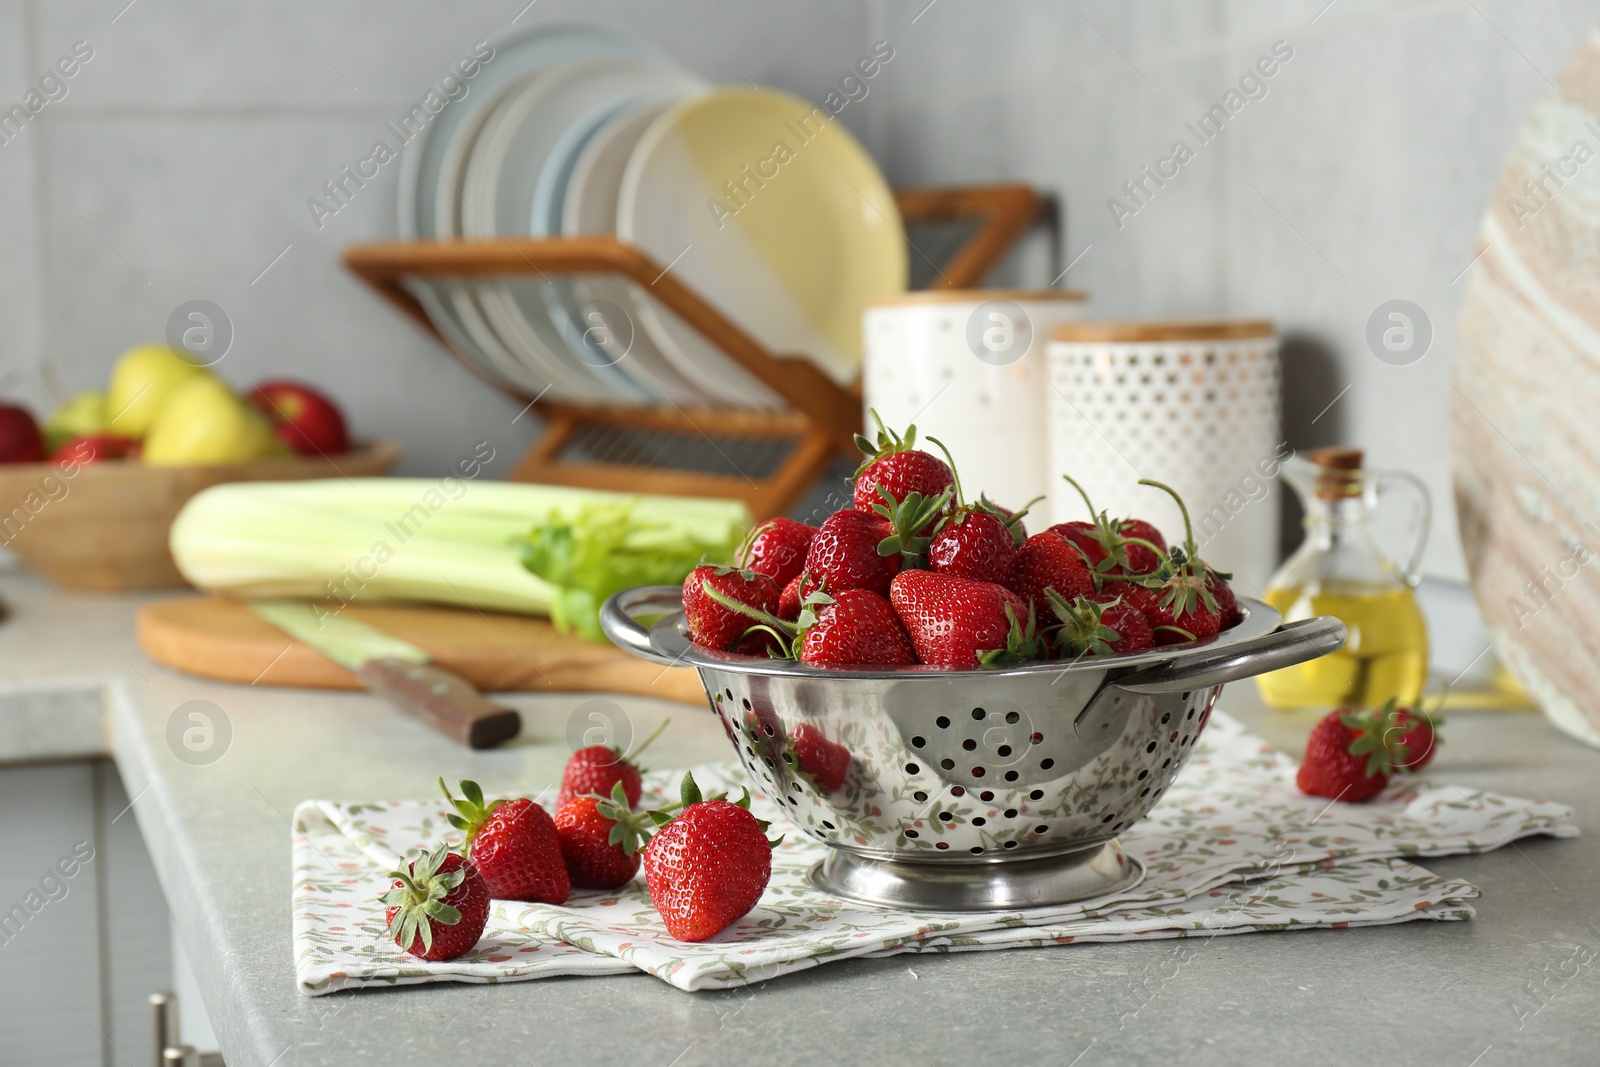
(914, 573)
(706, 863)
(1352, 752)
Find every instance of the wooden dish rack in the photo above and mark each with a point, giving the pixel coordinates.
(777, 456)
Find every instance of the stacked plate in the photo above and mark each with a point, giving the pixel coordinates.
(757, 200)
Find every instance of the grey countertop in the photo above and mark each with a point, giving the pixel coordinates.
(1516, 985)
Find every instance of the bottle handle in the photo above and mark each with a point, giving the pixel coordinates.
(1422, 518)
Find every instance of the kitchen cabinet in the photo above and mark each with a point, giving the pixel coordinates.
(84, 933)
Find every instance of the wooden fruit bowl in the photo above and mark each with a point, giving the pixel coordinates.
(105, 527)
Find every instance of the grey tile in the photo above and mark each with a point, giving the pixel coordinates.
(20, 340)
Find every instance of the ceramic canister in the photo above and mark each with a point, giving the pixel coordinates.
(967, 366)
(1195, 405)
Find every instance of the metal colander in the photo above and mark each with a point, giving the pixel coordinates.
(969, 790)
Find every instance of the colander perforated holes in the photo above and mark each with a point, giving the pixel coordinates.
(1145, 791)
(946, 816)
(976, 850)
(746, 703)
(912, 768)
(979, 820)
(948, 764)
(1036, 739)
(1041, 829)
(1143, 775)
(1003, 751)
(919, 796)
(1011, 776)
(1011, 813)
(729, 692)
(1166, 717)
(1013, 717)
(768, 761)
(970, 745)
(1190, 715)
(918, 741)
(978, 714)
(1183, 696)
(793, 803)
(768, 729)
(979, 772)
(1151, 747)
(1186, 739)
(1046, 763)
(941, 844)
(1011, 844)
(986, 796)
(911, 833)
(957, 791)
(1108, 818)
(1172, 737)
(1166, 763)
(942, 722)
(828, 825)
(794, 787)
(1037, 794)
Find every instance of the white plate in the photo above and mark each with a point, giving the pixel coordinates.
(538, 358)
(771, 210)
(527, 133)
(514, 57)
(595, 314)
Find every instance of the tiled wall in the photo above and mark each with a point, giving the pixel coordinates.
(179, 164)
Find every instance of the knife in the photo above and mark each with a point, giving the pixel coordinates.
(397, 671)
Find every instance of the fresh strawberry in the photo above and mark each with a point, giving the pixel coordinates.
(777, 548)
(1413, 732)
(1087, 628)
(1114, 546)
(438, 907)
(893, 464)
(600, 839)
(1228, 612)
(708, 866)
(1012, 519)
(513, 844)
(1347, 757)
(789, 600)
(1186, 608)
(844, 554)
(856, 628)
(599, 769)
(714, 624)
(827, 762)
(1046, 561)
(958, 624)
(974, 544)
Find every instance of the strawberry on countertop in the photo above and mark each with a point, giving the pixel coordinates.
(600, 839)
(600, 768)
(513, 844)
(438, 906)
(708, 865)
(1348, 757)
(1414, 732)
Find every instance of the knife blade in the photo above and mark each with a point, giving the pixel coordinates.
(397, 671)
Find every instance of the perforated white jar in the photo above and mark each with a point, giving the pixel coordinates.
(968, 367)
(1193, 404)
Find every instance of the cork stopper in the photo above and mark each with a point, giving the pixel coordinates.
(1338, 472)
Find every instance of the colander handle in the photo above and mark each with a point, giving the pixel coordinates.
(1289, 644)
(618, 623)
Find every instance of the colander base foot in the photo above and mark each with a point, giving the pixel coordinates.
(978, 885)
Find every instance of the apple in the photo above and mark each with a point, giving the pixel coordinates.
(82, 416)
(203, 422)
(141, 383)
(20, 439)
(301, 417)
(92, 448)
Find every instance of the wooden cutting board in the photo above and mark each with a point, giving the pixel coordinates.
(222, 639)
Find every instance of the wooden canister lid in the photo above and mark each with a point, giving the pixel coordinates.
(971, 296)
(1133, 332)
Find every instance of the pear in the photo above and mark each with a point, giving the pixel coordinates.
(83, 415)
(204, 422)
(142, 381)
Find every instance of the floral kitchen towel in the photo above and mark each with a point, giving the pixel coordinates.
(1233, 847)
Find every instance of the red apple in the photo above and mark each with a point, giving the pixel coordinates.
(20, 439)
(94, 447)
(301, 417)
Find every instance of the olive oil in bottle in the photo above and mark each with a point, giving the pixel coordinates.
(1339, 570)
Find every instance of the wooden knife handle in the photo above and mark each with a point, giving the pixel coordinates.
(443, 700)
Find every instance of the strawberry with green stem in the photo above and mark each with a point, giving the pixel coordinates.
(600, 768)
(1113, 546)
(858, 628)
(708, 865)
(600, 838)
(1413, 731)
(512, 843)
(1183, 606)
(438, 906)
(1089, 628)
(776, 548)
(975, 541)
(711, 623)
(959, 624)
(1349, 756)
(894, 463)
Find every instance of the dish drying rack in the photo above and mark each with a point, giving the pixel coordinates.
(769, 459)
